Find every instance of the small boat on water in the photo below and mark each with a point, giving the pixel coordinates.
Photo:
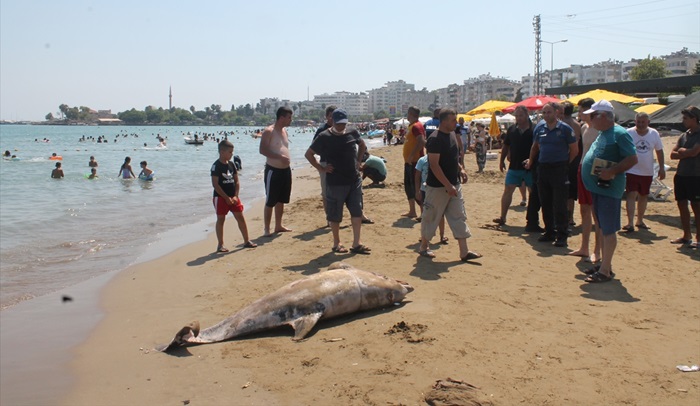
(193, 141)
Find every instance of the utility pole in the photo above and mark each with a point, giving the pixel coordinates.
(538, 55)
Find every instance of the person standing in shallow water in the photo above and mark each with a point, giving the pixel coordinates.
(125, 172)
(274, 145)
(57, 173)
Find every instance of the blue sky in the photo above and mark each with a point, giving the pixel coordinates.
(122, 54)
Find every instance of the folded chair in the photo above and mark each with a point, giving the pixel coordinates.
(659, 191)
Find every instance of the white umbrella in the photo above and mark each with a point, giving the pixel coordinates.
(402, 122)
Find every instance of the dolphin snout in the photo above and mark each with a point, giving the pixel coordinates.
(408, 287)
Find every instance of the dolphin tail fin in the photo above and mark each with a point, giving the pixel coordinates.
(304, 324)
(183, 336)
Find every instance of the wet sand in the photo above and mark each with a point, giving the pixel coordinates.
(520, 324)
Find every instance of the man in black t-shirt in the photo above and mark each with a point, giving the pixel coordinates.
(443, 192)
(224, 179)
(342, 150)
(322, 159)
(516, 147)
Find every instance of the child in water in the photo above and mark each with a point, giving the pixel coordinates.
(146, 173)
(57, 173)
(92, 163)
(126, 172)
(93, 173)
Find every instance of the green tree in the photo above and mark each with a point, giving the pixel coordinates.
(697, 69)
(132, 116)
(49, 117)
(569, 82)
(381, 114)
(650, 68)
(63, 108)
(518, 96)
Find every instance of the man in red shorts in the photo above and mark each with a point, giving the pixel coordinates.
(639, 177)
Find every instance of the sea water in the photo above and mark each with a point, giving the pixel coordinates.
(55, 233)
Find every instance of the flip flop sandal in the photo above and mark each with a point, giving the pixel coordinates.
(250, 244)
(361, 249)
(591, 271)
(681, 241)
(643, 226)
(598, 278)
(427, 254)
(499, 221)
(367, 221)
(221, 248)
(628, 229)
(339, 249)
(444, 240)
(471, 255)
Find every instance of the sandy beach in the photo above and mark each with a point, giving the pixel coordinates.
(520, 324)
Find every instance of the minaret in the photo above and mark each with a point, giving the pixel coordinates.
(170, 98)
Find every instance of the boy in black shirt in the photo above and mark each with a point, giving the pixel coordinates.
(224, 178)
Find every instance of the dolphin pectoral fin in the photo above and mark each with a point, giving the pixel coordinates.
(184, 335)
(303, 325)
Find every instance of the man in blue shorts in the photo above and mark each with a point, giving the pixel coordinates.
(603, 174)
(274, 145)
(343, 150)
(516, 147)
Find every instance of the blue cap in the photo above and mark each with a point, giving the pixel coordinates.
(340, 116)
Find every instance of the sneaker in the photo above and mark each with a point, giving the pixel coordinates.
(546, 238)
(534, 229)
(560, 243)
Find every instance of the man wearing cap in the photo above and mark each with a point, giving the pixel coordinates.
(686, 183)
(413, 149)
(274, 145)
(343, 151)
(646, 141)
(603, 174)
(554, 143)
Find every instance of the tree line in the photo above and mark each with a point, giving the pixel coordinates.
(259, 115)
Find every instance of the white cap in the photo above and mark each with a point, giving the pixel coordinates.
(602, 105)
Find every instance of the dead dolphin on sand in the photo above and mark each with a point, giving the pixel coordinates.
(341, 290)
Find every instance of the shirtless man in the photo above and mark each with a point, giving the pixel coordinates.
(274, 145)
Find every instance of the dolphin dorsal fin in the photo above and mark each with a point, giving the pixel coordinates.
(303, 325)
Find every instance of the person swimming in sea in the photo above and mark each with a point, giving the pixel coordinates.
(146, 173)
(125, 172)
(93, 173)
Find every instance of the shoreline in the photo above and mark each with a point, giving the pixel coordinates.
(523, 305)
(72, 322)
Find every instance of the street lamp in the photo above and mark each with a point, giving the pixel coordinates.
(551, 66)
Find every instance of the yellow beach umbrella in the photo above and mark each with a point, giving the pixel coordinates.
(600, 94)
(649, 108)
(494, 129)
(467, 118)
(490, 107)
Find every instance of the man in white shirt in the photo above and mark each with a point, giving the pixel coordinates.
(640, 176)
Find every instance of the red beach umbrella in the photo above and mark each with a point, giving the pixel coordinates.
(533, 103)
